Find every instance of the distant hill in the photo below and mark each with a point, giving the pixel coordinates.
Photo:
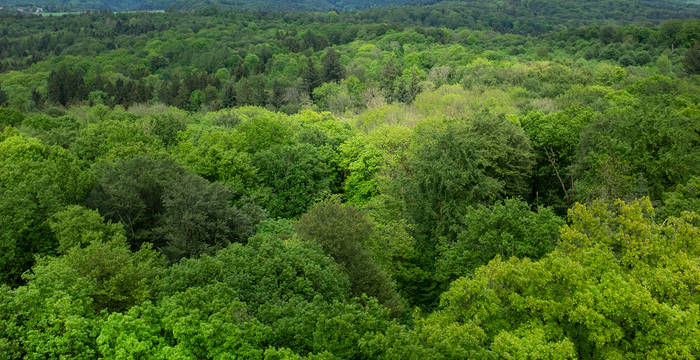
(75, 5)
(259, 5)
(280, 5)
(638, 10)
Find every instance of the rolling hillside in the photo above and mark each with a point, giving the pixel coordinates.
(276, 5)
(593, 8)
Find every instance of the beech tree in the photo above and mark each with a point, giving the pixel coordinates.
(292, 178)
(620, 284)
(178, 212)
(457, 163)
(36, 182)
(507, 229)
(343, 232)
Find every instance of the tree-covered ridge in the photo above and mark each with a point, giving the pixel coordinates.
(498, 14)
(255, 5)
(215, 185)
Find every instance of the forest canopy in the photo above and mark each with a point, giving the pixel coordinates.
(448, 181)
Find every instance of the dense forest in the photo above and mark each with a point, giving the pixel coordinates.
(462, 180)
(264, 5)
(635, 10)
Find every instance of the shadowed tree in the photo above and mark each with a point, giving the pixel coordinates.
(332, 69)
(66, 86)
(180, 213)
(343, 232)
(310, 79)
(3, 97)
(691, 61)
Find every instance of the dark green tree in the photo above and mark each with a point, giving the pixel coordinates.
(244, 92)
(691, 61)
(332, 69)
(457, 163)
(388, 79)
(167, 127)
(670, 32)
(257, 95)
(685, 197)
(555, 138)
(406, 93)
(66, 86)
(343, 232)
(401, 94)
(609, 34)
(121, 92)
(10, 117)
(3, 97)
(293, 177)
(182, 97)
(168, 91)
(228, 96)
(310, 78)
(160, 203)
(645, 149)
(197, 219)
(507, 228)
(413, 87)
(240, 72)
(37, 98)
(277, 95)
(157, 62)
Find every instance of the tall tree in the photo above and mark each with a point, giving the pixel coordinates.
(293, 177)
(228, 96)
(277, 95)
(508, 228)
(332, 69)
(691, 61)
(37, 98)
(36, 181)
(3, 97)
(310, 79)
(257, 83)
(631, 151)
(66, 86)
(343, 231)
(617, 274)
(178, 212)
(555, 138)
(388, 79)
(457, 163)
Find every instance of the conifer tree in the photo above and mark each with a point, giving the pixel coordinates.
(277, 95)
(413, 88)
(3, 97)
(332, 69)
(691, 62)
(310, 78)
(228, 97)
(65, 86)
(387, 80)
(401, 94)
